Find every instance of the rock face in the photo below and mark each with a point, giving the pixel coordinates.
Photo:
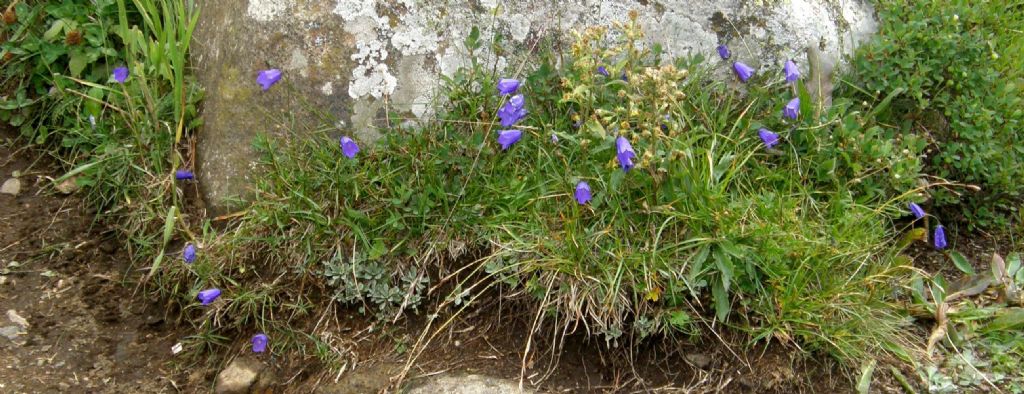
(349, 63)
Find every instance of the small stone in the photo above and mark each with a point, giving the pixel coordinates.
(14, 334)
(239, 376)
(468, 384)
(15, 318)
(68, 186)
(11, 186)
(699, 360)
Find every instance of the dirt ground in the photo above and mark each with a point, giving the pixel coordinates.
(89, 330)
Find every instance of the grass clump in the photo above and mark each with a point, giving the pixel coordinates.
(710, 227)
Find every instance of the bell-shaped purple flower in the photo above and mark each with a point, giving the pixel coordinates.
(349, 148)
(582, 192)
(743, 71)
(916, 210)
(940, 237)
(512, 111)
(624, 78)
(554, 138)
(769, 138)
(508, 137)
(268, 78)
(184, 175)
(189, 254)
(121, 74)
(207, 296)
(792, 108)
(259, 343)
(624, 152)
(791, 71)
(723, 52)
(603, 71)
(508, 86)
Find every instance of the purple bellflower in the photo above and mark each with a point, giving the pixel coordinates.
(508, 86)
(121, 74)
(207, 296)
(916, 210)
(189, 254)
(791, 71)
(792, 109)
(624, 152)
(769, 138)
(184, 175)
(723, 52)
(259, 343)
(508, 137)
(268, 78)
(940, 237)
(554, 138)
(743, 71)
(603, 71)
(348, 147)
(512, 111)
(582, 193)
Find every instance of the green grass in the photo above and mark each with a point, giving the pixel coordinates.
(710, 226)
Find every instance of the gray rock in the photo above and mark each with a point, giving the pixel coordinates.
(356, 61)
(468, 384)
(244, 373)
(14, 334)
(365, 379)
(11, 186)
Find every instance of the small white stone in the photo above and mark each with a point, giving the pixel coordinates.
(11, 186)
(327, 89)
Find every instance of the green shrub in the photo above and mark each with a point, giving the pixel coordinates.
(957, 65)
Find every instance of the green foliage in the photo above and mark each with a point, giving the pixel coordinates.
(956, 66)
(709, 225)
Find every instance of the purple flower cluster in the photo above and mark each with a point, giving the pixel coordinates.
(511, 113)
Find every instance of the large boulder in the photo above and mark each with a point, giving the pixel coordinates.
(349, 63)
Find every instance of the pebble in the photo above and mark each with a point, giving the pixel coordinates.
(11, 186)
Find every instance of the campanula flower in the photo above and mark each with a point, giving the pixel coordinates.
(769, 138)
(791, 71)
(554, 138)
(508, 137)
(723, 52)
(603, 71)
(92, 122)
(624, 152)
(189, 254)
(916, 210)
(184, 175)
(348, 147)
(582, 192)
(121, 74)
(940, 237)
(207, 296)
(259, 343)
(508, 86)
(624, 77)
(743, 71)
(268, 78)
(792, 109)
(512, 111)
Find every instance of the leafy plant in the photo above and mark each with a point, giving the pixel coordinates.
(946, 64)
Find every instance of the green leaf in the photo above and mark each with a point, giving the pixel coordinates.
(866, 371)
(77, 63)
(679, 319)
(473, 40)
(1008, 319)
(725, 267)
(721, 301)
(961, 262)
(54, 30)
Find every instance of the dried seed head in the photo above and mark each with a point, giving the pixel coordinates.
(74, 37)
(10, 16)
